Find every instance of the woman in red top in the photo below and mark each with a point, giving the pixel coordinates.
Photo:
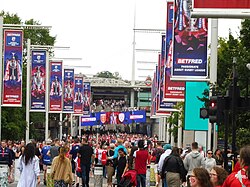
(242, 177)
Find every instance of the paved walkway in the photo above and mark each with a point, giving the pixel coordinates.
(42, 185)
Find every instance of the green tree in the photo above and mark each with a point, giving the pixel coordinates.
(108, 74)
(13, 119)
(173, 120)
(227, 49)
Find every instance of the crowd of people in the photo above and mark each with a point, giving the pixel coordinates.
(124, 157)
(108, 105)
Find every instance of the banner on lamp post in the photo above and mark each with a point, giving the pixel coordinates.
(78, 98)
(86, 98)
(55, 92)
(12, 70)
(68, 91)
(38, 83)
(189, 45)
(173, 90)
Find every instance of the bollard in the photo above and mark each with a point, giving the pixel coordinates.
(98, 175)
(148, 176)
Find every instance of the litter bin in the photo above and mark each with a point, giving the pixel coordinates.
(98, 175)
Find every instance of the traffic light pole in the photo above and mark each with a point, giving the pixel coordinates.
(213, 77)
(226, 119)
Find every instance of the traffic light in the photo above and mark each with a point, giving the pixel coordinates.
(204, 113)
(213, 109)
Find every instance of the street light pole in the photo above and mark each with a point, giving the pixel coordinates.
(132, 92)
(213, 78)
(1, 70)
(28, 92)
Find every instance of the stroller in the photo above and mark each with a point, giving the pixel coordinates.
(128, 179)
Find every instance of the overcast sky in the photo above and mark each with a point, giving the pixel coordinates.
(101, 31)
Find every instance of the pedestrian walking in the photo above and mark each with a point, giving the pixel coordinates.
(86, 155)
(217, 176)
(121, 164)
(110, 164)
(29, 168)
(46, 160)
(240, 178)
(6, 161)
(200, 178)
(174, 169)
(61, 171)
(218, 158)
(141, 160)
(194, 159)
(210, 162)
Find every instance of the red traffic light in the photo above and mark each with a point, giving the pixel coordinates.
(212, 104)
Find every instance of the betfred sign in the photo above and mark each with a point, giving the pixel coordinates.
(222, 4)
(239, 9)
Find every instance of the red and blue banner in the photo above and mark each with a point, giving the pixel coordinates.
(86, 98)
(100, 118)
(173, 90)
(68, 91)
(38, 83)
(152, 110)
(163, 105)
(55, 92)
(78, 98)
(138, 116)
(190, 45)
(221, 4)
(12, 69)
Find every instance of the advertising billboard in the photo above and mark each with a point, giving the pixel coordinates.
(190, 45)
(221, 8)
(193, 105)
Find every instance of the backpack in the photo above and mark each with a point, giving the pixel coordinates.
(163, 171)
(104, 158)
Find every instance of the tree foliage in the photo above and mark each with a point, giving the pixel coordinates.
(174, 118)
(14, 119)
(108, 74)
(228, 48)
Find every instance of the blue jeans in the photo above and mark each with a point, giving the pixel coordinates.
(85, 174)
(141, 180)
(164, 182)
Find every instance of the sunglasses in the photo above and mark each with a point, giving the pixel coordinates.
(209, 153)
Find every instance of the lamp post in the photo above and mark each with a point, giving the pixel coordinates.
(213, 78)
(16, 26)
(39, 47)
